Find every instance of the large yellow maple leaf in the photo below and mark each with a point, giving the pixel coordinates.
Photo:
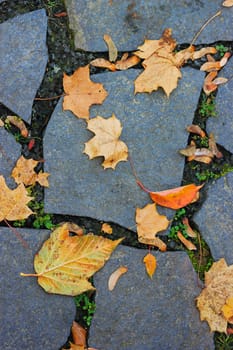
(218, 288)
(13, 202)
(106, 141)
(65, 263)
(81, 92)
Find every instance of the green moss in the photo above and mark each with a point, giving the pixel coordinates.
(221, 49)
(85, 303)
(207, 106)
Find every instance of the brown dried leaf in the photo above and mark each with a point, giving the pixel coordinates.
(14, 202)
(189, 229)
(211, 66)
(106, 228)
(213, 147)
(195, 129)
(103, 63)
(189, 245)
(224, 59)
(202, 52)
(106, 141)
(219, 287)
(149, 223)
(16, 121)
(81, 92)
(129, 62)
(24, 173)
(114, 277)
(150, 264)
(79, 334)
(220, 81)
(208, 85)
(112, 50)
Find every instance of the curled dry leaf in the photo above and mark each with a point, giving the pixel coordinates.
(150, 264)
(213, 147)
(122, 64)
(103, 63)
(215, 65)
(149, 223)
(14, 202)
(218, 288)
(65, 263)
(112, 50)
(227, 3)
(189, 229)
(227, 309)
(195, 129)
(24, 173)
(113, 279)
(16, 121)
(106, 228)
(176, 198)
(79, 334)
(106, 141)
(203, 155)
(81, 92)
(189, 245)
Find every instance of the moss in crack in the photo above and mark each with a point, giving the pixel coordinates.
(207, 106)
(85, 308)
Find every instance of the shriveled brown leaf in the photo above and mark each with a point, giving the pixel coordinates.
(224, 59)
(227, 3)
(218, 288)
(14, 202)
(220, 81)
(114, 277)
(16, 121)
(149, 223)
(203, 155)
(106, 228)
(202, 52)
(189, 245)
(213, 146)
(24, 173)
(195, 129)
(150, 264)
(106, 141)
(189, 229)
(81, 92)
(103, 63)
(79, 334)
(215, 65)
(112, 50)
(127, 63)
(208, 85)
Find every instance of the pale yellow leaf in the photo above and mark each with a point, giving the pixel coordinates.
(113, 279)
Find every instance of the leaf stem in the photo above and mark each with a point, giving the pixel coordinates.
(18, 235)
(138, 182)
(48, 98)
(204, 25)
(29, 274)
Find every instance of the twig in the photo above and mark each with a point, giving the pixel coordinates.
(18, 235)
(48, 98)
(138, 182)
(204, 25)
(199, 261)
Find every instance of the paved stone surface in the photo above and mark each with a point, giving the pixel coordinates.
(30, 318)
(148, 314)
(154, 130)
(222, 124)
(215, 219)
(130, 22)
(23, 58)
(9, 153)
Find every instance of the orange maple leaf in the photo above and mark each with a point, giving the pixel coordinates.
(81, 92)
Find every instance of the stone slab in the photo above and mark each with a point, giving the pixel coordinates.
(9, 153)
(222, 124)
(130, 22)
(145, 314)
(215, 219)
(154, 130)
(23, 59)
(30, 318)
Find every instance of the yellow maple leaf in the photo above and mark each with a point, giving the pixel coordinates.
(218, 288)
(81, 92)
(14, 202)
(65, 263)
(149, 222)
(106, 141)
(24, 173)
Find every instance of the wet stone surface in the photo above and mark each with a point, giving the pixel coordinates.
(153, 129)
(141, 313)
(215, 219)
(23, 58)
(30, 318)
(222, 124)
(130, 22)
(9, 153)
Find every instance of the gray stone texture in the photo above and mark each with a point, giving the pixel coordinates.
(153, 129)
(130, 22)
(9, 153)
(23, 58)
(30, 318)
(145, 314)
(215, 219)
(222, 124)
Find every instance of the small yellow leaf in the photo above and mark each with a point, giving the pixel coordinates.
(150, 263)
(106, 228)
(113, 279)
(227, 309)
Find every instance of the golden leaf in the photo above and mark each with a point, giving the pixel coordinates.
(106, 228)
(24, 173)
(81, 92)
(150, 263)
(106, 141)
(13, 202)
(218, 288)
(149, 223)
(65, 263)
(227, 310)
